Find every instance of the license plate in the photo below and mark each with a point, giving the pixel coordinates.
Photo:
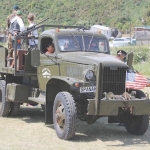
(87, 89)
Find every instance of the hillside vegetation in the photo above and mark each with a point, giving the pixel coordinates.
(113, 13)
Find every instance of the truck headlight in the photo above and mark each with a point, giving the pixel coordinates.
(89, 75)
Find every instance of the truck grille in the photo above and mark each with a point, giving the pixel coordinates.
(114, 80)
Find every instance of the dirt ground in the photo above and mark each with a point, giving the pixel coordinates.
(28, 131)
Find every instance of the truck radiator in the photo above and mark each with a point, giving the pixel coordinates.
(114, 80)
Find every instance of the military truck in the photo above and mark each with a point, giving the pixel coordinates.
(81, 80)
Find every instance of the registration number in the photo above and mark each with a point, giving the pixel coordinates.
(87, 89)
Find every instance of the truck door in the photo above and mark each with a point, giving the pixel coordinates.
(48, 64)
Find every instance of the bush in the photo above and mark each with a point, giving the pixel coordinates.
(140, 57)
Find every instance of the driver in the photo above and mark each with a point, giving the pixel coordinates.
(50, 48)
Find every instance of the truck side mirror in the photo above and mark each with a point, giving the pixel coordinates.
(35, 57)
(130, 59)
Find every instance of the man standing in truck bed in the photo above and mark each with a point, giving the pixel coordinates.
(9, 18)
(16, 26)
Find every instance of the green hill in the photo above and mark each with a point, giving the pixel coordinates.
(113, 13)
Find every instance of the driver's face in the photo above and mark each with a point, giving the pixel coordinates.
(50, 49)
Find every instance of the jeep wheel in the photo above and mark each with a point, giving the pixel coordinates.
(5, 105)
(14, 109)
(137, 125)
(64, 115)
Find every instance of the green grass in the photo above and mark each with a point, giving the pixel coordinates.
(143, 68)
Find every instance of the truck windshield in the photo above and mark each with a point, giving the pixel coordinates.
(95, 44)
(69, 44)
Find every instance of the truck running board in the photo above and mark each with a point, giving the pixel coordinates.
(37, 100)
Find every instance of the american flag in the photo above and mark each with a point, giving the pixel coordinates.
(135, 81)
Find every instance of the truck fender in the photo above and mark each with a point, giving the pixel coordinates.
(53, 87)
(57, 84)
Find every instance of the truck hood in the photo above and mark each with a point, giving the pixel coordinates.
(93, 58)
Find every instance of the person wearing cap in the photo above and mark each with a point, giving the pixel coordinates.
(9, 18)
(16, 26)
(12, 15)
(15, 7)
(121, 55)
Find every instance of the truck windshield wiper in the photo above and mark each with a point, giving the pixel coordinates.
(49, 58)
(75, 39)
(91, 41)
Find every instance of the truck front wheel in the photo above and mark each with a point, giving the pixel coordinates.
(136, 125)
(64, 115)
(5, 105)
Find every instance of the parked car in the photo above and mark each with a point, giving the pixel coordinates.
(124, 41)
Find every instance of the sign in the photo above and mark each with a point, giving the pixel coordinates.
(88, 89)
(46, 73)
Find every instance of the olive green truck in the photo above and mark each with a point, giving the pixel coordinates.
(79, 80)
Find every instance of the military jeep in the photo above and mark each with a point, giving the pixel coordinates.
(79, 80)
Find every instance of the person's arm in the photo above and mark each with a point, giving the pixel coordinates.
(21, 24)
(10, 31)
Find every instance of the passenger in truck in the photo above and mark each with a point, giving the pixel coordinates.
(50, 49)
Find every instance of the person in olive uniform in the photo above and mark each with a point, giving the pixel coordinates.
(121, 55)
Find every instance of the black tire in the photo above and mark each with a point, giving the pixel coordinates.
(64, 116)
(15, 107)
(137, 125)
(5, 105)
(43, 107)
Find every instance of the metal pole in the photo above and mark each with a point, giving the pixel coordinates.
(130, 32)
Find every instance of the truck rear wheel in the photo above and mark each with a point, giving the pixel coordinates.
(64, 115)
(137, 125)
(14, 109)
(5, 105)
(43, 107)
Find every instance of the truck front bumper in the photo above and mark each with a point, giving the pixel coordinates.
(110, 107)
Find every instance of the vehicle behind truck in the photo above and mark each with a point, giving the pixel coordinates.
(79, 80)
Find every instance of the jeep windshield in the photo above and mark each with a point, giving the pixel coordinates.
(72, 43)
